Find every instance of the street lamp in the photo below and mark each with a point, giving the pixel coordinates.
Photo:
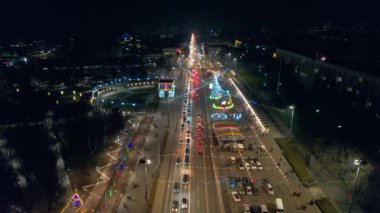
(358, 163)
(292, 107)
(145, 161)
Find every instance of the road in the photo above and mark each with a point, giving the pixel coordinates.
(208, 189)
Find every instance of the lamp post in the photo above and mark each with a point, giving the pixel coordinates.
(292, 107)
(145, 161)
(358, 163)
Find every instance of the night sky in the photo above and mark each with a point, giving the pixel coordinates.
(38, 16)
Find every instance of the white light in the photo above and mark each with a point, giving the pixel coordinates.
(148, 161)
(357, 162)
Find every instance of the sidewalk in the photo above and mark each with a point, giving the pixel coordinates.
(134, 199)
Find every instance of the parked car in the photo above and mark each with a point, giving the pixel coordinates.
(253, 165)
(232, 182)
(259, 165)
(264, 208)
(269, 189)
(250, 147)
(236, 196)
(245, 181)
(247, 166)
(249, 190)
(241, 166)
(246, 209)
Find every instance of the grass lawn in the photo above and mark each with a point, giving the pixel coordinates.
(296, 159)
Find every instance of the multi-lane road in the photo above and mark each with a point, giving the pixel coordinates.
(208, 165)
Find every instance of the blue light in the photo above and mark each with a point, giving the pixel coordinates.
(236, 116)
(219, 116)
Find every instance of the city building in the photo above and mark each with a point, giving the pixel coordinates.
(131, 45)
(171, 54)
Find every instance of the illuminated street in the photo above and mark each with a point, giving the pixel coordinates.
(189, 107)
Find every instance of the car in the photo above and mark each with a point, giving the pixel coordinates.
(175, 206)
(241, 166)
(184, 203)
(253, 165)
(176, 187)
(250, 147)
(264, 208)
(238, 179)
(259, 166)
(180, 142)
(247, 166)
(255, 209)
(241, 189)
(238, 160)
(249, 190)
(262, 148)
(232, 182)
(236, 196)
(269, 189)
(178, 161)
(185, 179)
(246, 209)
(187, 161)
(245, 181)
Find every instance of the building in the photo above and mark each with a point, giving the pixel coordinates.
(166, 88)
(314, 74)
(214, 53)
(170, 54)
(131, 45)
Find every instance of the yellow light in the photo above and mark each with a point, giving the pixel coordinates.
(74, 98)
(274, 55)
(80, 94)
(48, 93)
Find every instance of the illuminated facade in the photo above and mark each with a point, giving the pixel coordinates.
(166, 88)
